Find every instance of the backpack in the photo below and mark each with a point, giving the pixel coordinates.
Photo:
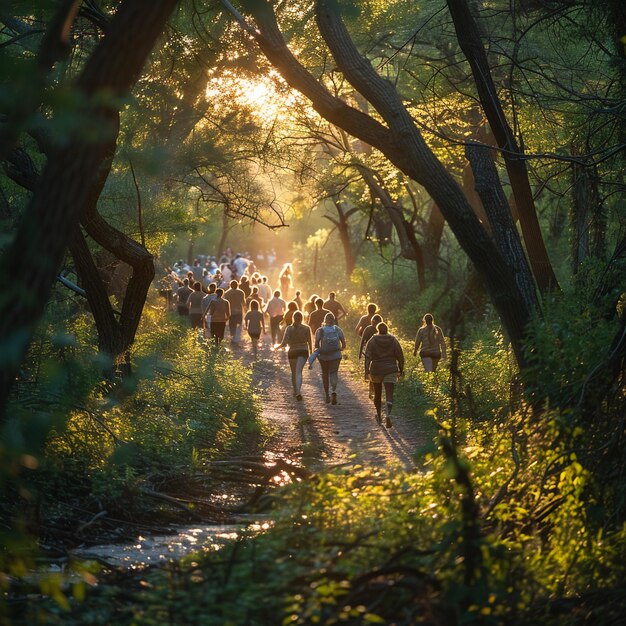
(330, 340)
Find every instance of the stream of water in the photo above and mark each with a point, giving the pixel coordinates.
(152, 550)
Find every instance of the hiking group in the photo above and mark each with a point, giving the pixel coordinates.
(308, 330)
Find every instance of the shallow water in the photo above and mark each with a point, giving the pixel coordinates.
(153, 550)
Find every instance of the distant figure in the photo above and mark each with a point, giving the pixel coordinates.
(384, 364)
(219, 310)
(366, 319)
(316, 319)
(254, 295)
(330, 342)
(430, 343)
(240, 264)
(368, 333)
(182, 295)
(244, 285)
(197, 270)
(298, 338)
(309, 307)
(194, 304)
(206, 301)
(334, 307)
(265, 291)
(298, 299)
(255, 325)
(286, 280)
(275, 308)
(237, 301)
(292, 307)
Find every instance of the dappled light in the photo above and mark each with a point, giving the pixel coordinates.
(312, 313)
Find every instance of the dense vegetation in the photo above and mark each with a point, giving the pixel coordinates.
(460, 157)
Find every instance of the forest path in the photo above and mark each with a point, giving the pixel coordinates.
(318, 433)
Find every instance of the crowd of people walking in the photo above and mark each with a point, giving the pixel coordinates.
(308, 330)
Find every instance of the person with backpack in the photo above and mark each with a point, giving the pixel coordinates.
(298, 338)
(330, 342)
(384, 364)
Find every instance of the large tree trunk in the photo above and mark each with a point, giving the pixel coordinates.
(343, 229)
(496, 206)
(52, 216)
(588, 213)
(432, 239)
(469, 39)
(410, 248)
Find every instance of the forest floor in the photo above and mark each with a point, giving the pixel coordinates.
(321, 435)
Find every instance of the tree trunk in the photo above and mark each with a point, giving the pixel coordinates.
(506, 237)
(52, 216)
(343, 229)
(588, 213)
(221, 246)
(469, 39)
(432, 239)
(410, 248)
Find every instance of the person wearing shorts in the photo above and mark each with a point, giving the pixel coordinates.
(298, 338)
(330, 341)
(430, 343)
(219, 310)
(255, 324)
(384, 364)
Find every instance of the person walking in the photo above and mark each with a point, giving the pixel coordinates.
(182, 295)
(194, 304)
(286, 280)
(368, 333)
(384, 364)
(206, 318)
(237, 300)
(275, 308)
(219, 310)
(309, 307)
(292, 307)
(430, 343)
(330, 341)
(254, 295)
(265, 291)
(298, 299)
(255, 325)
(316, 319)
(298, 338)
(334, 306)
(366, 319)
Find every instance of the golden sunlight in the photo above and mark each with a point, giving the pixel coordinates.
(258, 94)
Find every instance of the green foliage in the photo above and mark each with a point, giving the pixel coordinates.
(572, 337)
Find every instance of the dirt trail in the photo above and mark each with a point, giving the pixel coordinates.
(321, 433)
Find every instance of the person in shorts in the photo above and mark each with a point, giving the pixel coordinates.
(298, 338)
(430, 343)
(255, 325)
(384, 364)
(330, 341)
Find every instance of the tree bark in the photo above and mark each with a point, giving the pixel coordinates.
(343, 229)
(410, 248)
(432, 239)
(469, 39)
(496, 206)
(588, 213)
(52, 216)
